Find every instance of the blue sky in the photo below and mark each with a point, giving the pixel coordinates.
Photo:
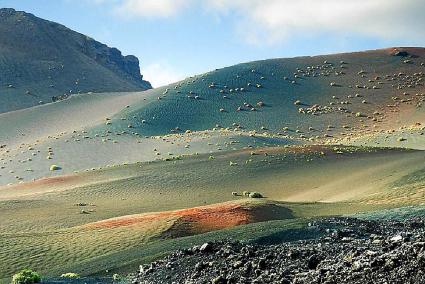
(177, 38)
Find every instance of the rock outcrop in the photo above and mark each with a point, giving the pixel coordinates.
(349, 251)
(41, 61)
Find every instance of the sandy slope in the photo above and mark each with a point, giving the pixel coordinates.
(297, 93)
(125, 207)
(81, 138)
(76, 113)
(130, 157)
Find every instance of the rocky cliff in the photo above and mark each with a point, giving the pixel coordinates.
(41, 61)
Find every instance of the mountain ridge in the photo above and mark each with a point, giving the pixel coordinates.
(42, 61)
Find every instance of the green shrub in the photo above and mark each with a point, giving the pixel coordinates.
(26, 276)
(54, 168)
(255, 195)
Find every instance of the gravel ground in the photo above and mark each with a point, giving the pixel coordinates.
(350, 251)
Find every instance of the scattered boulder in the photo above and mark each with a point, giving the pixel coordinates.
(401, 53)
(346, 250)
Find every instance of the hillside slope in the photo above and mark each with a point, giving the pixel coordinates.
(41, 61)
(304, 97)
(373, 98)
(106, 181)
(100, 220)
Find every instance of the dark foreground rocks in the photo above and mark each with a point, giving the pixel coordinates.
(349, 251)
(82, 280)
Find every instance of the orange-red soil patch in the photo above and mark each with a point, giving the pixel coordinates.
(47, 181)
(215, 216)
(200, 219)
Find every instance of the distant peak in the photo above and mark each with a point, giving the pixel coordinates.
(9, 11)
(46, 60)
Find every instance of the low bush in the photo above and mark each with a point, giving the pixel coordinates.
(26, 276)
(70, 275)
(255, 195)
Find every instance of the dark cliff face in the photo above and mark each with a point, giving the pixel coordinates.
(40, 59)
(112, 59)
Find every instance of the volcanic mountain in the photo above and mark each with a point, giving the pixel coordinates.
(42, 61)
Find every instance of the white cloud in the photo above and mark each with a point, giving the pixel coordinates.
(161, 74)
(152, 8)
(277, 20)
(99, 2)
(270, 21)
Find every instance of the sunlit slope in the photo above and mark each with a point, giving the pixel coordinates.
(350, 92)
(344, 98)
(154, 166)
(408, 132)
(78, 219)
(296, 173)
(74, 114)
